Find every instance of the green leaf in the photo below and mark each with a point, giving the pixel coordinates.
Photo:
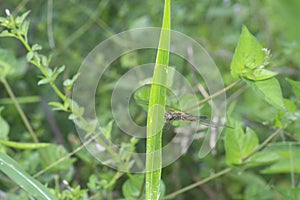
(296, 87)
(29, 56)
(259, 74)
(269, 90)
(61, 69)
(57, 105)
(24, 27)
(45, 60)
(157, 102)
(36, 47)
(284, 118)
(248, 54)
(49, 71)
(67, 83)
(21, 145)
(288, 159)
(56, 72)
(20, 19)
(44, 81)
(256, 187)
(5, 33)
(250, 142)
(5, 22)
(9, 167)
(250, 58)
(70, 82)
(283, 166)
(239, 145)
(262, 158)
(132, 188)
(106, 131)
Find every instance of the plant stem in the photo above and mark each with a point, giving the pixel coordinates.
(64, 157)
(262, 145)
(44, 72)
(173, 195)
(19, 109)
(21, 100)
(214, 95)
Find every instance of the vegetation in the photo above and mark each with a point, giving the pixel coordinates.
(43, 154)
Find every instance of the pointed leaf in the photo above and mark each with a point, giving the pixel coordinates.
(57, 71)
(248, 54)
(29, 56)
(57, 105)
(239, 145)
(250, 142)
(269, 90)
(263, 158)
(20, 20)
(133, 187)
(288, 161)
(43, 81)
(5, 33)
(260, 74)
(11, 168)
(24, 27)
(36, 47)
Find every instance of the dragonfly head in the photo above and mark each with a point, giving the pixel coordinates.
(168, 116)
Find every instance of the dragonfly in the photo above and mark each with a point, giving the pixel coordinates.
(183, 116)
(173, 114)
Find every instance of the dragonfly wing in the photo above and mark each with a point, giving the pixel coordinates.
(213, 124)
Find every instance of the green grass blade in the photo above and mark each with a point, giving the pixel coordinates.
(24, 180)
(156, 108)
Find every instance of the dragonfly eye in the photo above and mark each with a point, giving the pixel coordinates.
(168, 116)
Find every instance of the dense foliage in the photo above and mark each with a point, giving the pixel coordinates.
(255, 45)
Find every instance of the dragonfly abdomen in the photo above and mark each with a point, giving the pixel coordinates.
(177, 116)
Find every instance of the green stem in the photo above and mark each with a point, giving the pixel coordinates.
(117, 175)
(24, 42)
(64, 157)
(57, 91)
(214, 95)
(173, 195)
(44, 72)
(262, 145)
(42, 68)
(21, 100)
(19, 109)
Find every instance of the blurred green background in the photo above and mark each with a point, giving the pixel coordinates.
(69, 30)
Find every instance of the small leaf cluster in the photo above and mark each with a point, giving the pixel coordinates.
(17, 27)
